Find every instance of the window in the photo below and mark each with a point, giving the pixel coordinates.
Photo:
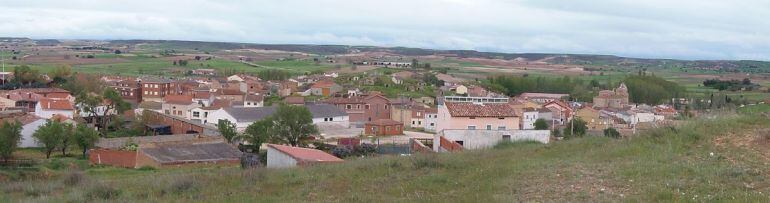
(196, 114)
(507, 137)
(155, 85)
(398, 128)
(473, 117)
(412, 122)
(419, 114)
(348, 106)
(501, 118)
(374, 129)
(459, 142)
(471, 127)
(419, 122)
(367, 106)
(489, 127)
(168, 112)
(432, 124)
(358, 106)
(331, 119)
(326, 119)
(387, 128)
(205, 114)
(386, 106)
(500, 127)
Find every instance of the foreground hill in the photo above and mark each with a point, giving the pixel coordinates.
(720, 159)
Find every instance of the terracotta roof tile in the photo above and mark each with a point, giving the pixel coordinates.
(306, 156)
(56, 104)
(178, 99)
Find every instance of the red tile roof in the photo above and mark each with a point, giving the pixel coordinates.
(382, 122)
(305, 156)
(323, 83)
(178, 99)
(295, 100)
(467, 109)
(57, 104)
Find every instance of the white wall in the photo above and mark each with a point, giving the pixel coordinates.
(26, 134)
(277, 159)
(39, 112)
(214, 117)
(480, 139)
(528, 120)
(338, 120)
(430, 119)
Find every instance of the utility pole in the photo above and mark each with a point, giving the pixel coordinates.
(572, 121)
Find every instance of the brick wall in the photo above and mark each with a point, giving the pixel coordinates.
(117, 158)
(178, 125)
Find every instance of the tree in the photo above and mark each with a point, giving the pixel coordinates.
(113, 105)
(575, 128)
(25, 75)
(50, 136)
(10, 135)
(292, 125)
(415, 63)
(611, 133)
(85, 137)
(541, 124)
(228, 130)
(257, 133)
(66, 138)
(118, 51)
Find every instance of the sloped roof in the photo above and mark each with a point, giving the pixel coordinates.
(466, 109)
(192, 152)
(178, 99)
(323, 83)
(242, 114)
(55, 104)
(325, 110)
(295, 100)
(306, 155)
(151, 105)
(252, 97)
(384, 122)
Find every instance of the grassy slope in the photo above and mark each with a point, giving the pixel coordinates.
(659, 165)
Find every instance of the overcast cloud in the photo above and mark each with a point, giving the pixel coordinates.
(684, 29)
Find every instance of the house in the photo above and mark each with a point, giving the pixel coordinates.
(592, 117)
(364, 108)
(295, 100)
(562, 112)
(325, 88)
(323, 114)
(617, 98)
(202, 96)
(6, 102)
(129, 89)
(230, 93)
(281, 156)
(154, 89)
(401, 113)
(47, 108)
(418, 116)
(29, 124)
(253, 101)
(431, 118)
(178, 105)
(528, 118)
(541, 98)
(476, 116)
(384, 127)
(449, 80)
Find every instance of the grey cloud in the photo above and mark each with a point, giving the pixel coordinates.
(687, 29)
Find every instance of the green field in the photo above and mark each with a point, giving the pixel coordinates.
(705, 160)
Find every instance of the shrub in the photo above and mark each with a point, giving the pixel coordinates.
(365, 149)
(341, 152)
(611, 133)
(74, 178)
(146, 168)
(103, 192)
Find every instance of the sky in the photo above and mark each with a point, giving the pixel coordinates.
(678, 29)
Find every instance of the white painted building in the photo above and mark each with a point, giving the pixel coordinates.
(480, 139)
(47, 108)
(528, 118)
(431, 119)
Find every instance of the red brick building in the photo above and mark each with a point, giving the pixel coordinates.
(384, 127)
(155, 89)
(364, 108)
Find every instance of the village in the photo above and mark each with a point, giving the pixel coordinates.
(209, 119)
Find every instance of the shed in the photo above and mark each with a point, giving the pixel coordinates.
(281, 156)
